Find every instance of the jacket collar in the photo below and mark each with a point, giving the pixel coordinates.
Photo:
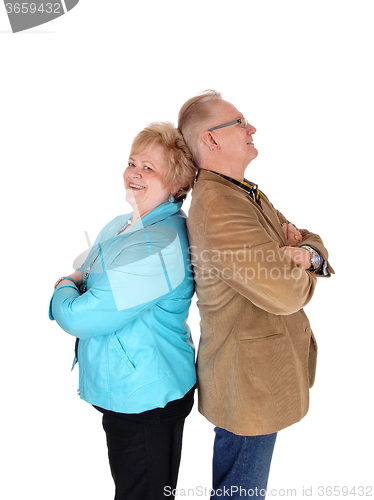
(158, 214)
(206, 175)
(248, 187)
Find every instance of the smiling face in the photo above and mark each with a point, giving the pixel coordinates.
(144, 180)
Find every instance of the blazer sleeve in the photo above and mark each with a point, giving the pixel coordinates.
(313, 240)
(250, 260)
(139, 276)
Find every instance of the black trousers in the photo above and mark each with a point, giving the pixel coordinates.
(144, 457)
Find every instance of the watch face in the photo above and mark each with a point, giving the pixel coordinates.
(316, 260)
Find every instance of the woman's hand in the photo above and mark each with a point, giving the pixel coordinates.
(77, 277)
(293, 235)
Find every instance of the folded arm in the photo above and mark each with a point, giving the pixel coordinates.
(252, 262)
(297, 238)
(140, 276)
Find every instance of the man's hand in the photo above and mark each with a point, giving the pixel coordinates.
(293, 235)
(299, 256)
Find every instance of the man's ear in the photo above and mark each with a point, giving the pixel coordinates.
(209, 140)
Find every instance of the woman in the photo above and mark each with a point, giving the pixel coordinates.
(128, 305)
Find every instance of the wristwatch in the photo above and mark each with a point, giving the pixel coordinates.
(315, 258)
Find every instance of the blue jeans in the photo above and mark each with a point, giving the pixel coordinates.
(241, 465)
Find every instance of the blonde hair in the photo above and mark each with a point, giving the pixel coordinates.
(192, 116)
(180, 169)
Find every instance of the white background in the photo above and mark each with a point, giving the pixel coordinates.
(73, 95)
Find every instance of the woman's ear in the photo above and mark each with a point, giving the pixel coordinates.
(174, 189)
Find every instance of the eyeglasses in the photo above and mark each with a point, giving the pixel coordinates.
(243, 122)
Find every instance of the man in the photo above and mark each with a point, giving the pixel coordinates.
(254, 272)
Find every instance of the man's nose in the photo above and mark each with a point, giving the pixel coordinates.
(250, 129)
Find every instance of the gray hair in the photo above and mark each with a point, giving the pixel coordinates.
(192, 117)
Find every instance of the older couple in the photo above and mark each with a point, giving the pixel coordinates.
(128, 304)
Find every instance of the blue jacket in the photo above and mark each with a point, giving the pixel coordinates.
(135, 350)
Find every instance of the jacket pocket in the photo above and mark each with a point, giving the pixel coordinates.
(116, 350)
(119, 371)
(274, 385)
(269, 362)
(312, 357)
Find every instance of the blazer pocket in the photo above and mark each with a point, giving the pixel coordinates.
(312, 357)
(269, 380)
(269, 358)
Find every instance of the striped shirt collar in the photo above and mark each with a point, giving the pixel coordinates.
(247, 186)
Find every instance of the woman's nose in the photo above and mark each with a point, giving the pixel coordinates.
(131, 173)
(134, 172)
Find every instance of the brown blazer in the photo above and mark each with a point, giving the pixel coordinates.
(257, 353)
